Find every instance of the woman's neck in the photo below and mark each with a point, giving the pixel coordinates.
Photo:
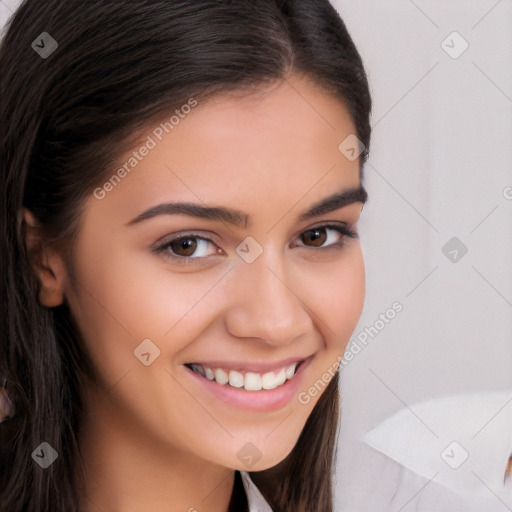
(128, 471)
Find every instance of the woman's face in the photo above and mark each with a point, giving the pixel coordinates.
(244, 295)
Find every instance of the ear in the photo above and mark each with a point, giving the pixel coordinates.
(46, 262)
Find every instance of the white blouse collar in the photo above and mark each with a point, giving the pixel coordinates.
(453, 438)
(257, 502)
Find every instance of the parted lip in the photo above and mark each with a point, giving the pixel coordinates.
(251, 366)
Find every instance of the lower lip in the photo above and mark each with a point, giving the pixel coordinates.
(264, 400)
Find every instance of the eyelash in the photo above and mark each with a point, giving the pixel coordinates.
(161, 247)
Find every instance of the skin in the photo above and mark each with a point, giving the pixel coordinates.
(148, 444)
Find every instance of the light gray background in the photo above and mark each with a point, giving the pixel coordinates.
(441, 161)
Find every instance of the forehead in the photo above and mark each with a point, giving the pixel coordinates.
(241, 150)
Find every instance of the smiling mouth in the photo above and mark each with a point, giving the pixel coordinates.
(250, 381)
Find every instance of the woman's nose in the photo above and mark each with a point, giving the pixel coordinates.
(265, 303)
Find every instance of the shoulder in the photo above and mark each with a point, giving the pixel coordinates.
(449, 454)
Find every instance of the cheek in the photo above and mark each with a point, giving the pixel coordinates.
(336, 297)
(347, 299)
(118, 305)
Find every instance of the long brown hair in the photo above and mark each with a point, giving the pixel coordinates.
(69, 108)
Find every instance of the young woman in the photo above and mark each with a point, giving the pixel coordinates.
(181, 269)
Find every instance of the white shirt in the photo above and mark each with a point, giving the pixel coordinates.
(256, 501)
(444, 455)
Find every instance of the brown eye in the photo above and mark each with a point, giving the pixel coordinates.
(187, 248)
(184, 246)
(327, 236)
(316, 236)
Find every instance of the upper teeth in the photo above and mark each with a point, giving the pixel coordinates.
(251, 381)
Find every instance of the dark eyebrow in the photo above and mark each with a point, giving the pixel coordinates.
(332, 203)
(239, 218)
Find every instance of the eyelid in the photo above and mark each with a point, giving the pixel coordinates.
(331, 224)
(164, 242)
(344, 228)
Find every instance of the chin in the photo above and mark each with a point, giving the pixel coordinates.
(271, 461)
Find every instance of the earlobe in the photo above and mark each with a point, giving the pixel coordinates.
(46, 263)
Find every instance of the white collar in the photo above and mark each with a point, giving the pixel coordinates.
(477, 426)
(257, 502)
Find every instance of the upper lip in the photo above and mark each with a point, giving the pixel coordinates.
(253, 366)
